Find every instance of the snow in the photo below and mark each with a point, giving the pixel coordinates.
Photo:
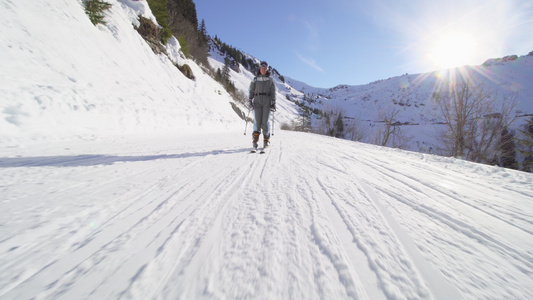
(121, 178)
(62, 77)
(200, 217)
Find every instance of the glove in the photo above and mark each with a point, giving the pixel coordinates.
(272, 106)
(251, 102)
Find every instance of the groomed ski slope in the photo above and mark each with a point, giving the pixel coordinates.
(314, 218)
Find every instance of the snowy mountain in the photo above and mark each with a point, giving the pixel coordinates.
(122, 178)
(411, 95)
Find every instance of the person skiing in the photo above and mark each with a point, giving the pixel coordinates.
(262, 98)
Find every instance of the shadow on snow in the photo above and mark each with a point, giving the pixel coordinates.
(99, 159)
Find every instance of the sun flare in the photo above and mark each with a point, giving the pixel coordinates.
(452, 50)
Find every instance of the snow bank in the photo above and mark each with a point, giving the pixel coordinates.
(62, 77)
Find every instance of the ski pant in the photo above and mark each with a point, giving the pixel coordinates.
(262, 113)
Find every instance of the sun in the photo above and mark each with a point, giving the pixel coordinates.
(452, 50)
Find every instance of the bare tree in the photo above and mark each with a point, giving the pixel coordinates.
(473, 123)
(384, 132)
(390, 133)
(461, 107)
(400, 140)
(354, 131)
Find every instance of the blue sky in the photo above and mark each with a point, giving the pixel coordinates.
(330, 42)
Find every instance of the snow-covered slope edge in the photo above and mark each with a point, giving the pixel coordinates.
(62, 77)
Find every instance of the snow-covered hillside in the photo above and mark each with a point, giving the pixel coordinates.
(63, 77)
(121, 178)
(413, 94)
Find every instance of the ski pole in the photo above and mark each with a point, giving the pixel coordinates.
(273, 119)
(246, 120)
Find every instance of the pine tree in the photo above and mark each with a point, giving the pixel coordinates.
(160, 10)
(184, 45)
(218, 75)
(339, 126)
(184, 23)
(508, 150)
(96, 9)
(225, 71)
(526, 146)
(202, 34)
(185, 9)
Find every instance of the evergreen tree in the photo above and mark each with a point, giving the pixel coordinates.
(184, 22)
(96, 9)
(526, 146)
(225, 76)
(184, 45)
(508, 150)
(218, 75)
(304, 120)
(339, 126)
(185, 9)
(225, 70)
(160, 10)
(203, 38)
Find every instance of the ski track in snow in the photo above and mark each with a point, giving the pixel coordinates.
(314, 218)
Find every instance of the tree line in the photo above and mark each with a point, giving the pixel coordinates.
(179, 18)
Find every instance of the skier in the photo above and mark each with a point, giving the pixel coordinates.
(262, 98)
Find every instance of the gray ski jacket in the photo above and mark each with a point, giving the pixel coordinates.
(263, 91)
